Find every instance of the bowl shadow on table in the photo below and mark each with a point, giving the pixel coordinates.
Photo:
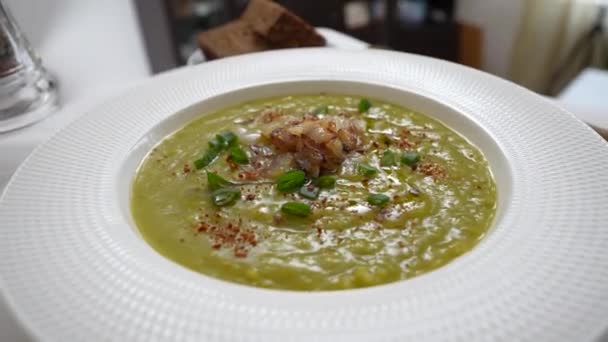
(18, 332)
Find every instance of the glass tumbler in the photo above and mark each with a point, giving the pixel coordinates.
(27, 92)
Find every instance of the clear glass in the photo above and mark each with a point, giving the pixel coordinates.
(27, 92)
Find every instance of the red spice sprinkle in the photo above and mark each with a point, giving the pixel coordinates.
(250, 197)
(187, 168)
(431, 169)
(231, 163)
(249, 175)
(240, 253)
(229, 235)
(405, 144)
(202, 227)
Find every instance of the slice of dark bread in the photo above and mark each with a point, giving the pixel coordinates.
(234, 38)
(279, 26)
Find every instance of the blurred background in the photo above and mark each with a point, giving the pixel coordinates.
(541, 44)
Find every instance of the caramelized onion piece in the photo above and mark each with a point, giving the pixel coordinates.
(318, 145)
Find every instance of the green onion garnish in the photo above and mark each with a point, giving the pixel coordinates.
(296, 209)
(321, 110)
(217, 143)
(223, 140)
(238, 155)
(291, 181)
(410, 158)
(225, 196)
(207, 159)
(378, 199)
(326, 182)
(214, 181)
(367, 171)
(230, 139)
(388, 159)
(364, 105)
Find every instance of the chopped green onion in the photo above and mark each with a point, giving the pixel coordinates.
(207, 159)
(310, 191)
(225, 196)
(364, 105)
(326, 182)
(321, 110)
(410, 158)
(230, 139)
(296, 209)
(378, 199)
(217, 143)
(388, 158)
(238, 155)
(214, 181)
(367, 171)
(291, 181)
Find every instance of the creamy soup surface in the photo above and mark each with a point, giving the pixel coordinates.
(314, 192)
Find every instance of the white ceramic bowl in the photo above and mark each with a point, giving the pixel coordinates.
(73, 266)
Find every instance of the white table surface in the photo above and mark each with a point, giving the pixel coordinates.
(95, 50)
(587, 97)
(92, 47)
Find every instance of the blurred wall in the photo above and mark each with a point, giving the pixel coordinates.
(499, 20)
